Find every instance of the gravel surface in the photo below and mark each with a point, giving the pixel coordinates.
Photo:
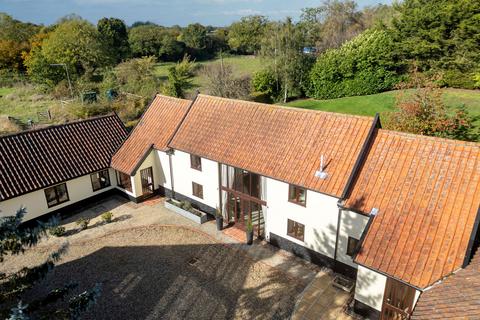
(165, 272)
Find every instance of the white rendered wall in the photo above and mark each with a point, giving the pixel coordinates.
(184, 175)
(320, 217)
(36, 203)
(158, 160)
(370, 287)
(351, 224)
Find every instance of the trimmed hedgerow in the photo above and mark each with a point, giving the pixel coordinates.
(364, 65)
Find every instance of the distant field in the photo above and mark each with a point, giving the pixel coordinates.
(382, 102)
(241, 65)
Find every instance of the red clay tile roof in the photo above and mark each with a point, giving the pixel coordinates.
(427, 191)
(278, 142)
(456, 297)
(35, 159)
(155, 129)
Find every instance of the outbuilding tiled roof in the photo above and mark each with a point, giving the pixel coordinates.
(457, 297)
(35, 159)
(278, 142)
(427, 192)
(155, 129)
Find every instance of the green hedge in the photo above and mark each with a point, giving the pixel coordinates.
(364, 65)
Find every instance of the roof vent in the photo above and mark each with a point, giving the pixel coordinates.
(374, 211)
(321, 173)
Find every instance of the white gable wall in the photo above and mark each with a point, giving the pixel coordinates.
(36, 203)
(158, 160)
(320, 217)
(370, 288)
(352, 224)
(184, 175)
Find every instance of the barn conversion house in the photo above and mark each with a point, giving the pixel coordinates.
(397, 212)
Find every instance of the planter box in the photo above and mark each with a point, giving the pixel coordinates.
(187, 214)
(343, 283)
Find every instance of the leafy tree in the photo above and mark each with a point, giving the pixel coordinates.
(136, 76)
(245, 36)
(221, 82)
(76, 43)
(14, 240)
(180, 78)
(195, 36)
(283, 44)
(114, 34)
(38, 67)
(265, 82)
(363, 65)
(331, 24)
(440, 36)
(171, 49)
(145, 40)
(424, 112)
(14, 42)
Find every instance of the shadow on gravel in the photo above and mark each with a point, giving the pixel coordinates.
(204, 281)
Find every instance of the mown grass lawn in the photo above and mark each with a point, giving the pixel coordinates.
(241, 66)
(384, 102)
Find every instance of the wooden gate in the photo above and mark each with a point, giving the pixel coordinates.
(146, 176)
(397, 300)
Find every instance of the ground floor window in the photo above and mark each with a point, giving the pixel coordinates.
(124, 181)
(351, 246)
(100, 180)
(197, 190)
(296, 230)
(56, 195)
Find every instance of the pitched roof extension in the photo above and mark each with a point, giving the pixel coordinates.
(278, 142)
(427, 191)
(154, 129)
(457, 297)
(35, 159)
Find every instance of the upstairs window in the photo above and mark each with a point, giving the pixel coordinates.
(124, 181)
(195, 162)
(197, 190)
(100, 180)
(296, 230)
(56, 195)
(351, 246)
(297, 195)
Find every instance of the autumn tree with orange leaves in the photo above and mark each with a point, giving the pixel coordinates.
(420, 109)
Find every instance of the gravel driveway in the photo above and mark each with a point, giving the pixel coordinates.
(165, 272)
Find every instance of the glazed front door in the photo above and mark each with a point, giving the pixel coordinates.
(146, 176)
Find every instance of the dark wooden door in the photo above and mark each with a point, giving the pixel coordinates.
(397, 300)
(146, 176)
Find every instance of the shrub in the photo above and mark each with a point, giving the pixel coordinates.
(107, 217)
(264, 81)
(57, 231)
(364, 65)
(186, 205)
(83, 223)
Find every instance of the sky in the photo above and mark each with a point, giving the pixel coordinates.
(164, 12)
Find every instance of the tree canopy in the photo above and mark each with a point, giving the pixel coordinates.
(245, 36)
(113, 33)
(440, 36)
